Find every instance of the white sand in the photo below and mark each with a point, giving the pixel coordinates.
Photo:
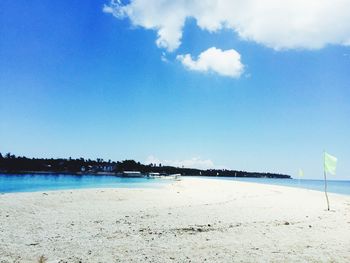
(194, 220)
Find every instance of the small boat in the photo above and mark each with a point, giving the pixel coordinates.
(131, 174)
(153, 175)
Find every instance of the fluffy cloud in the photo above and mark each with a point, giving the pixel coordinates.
(287, 24)
(225, 63)
(194, 162)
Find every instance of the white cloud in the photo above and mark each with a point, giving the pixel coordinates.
(195, 162)
(287, 24)
(225, 63)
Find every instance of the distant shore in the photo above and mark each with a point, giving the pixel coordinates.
(10, 163)
(193, 220)
(120, 174)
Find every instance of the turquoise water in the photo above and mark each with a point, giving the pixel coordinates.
(339, 187)
(45, 182)
(10, 183)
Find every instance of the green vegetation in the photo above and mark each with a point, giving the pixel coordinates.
(16, 164)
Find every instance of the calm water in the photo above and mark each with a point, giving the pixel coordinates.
(339, 187)
(45, 182)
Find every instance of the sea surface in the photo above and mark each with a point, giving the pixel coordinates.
(333, 186)
(10, 183)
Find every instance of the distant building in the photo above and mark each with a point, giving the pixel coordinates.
(108, 168)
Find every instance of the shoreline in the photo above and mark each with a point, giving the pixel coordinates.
(334, 187)
(165, 186)
(193, 219)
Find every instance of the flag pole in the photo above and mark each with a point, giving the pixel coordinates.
(325, 178)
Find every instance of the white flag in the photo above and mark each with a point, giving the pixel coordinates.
(330, 163)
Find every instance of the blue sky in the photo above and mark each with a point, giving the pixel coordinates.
(77, 81)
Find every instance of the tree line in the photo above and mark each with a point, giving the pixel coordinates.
(9, 163)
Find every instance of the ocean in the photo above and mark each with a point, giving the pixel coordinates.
(10, 183)
(333, 186)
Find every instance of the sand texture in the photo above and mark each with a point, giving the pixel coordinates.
(193, 220)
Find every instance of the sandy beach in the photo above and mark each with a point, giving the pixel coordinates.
(192, 220)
